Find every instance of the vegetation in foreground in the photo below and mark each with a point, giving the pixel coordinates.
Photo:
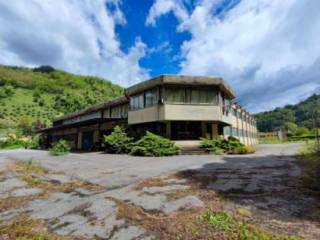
(154, 145)
(149, 145)
(12, 142)
(220, 146)
(59, 148)
(236, 229)
(118, 141)
(310, 159)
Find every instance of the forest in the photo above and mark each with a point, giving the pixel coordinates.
(30, 98)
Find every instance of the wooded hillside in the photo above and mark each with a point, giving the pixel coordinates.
(301, 114)
(36, 96)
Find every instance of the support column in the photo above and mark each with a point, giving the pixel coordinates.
(168, 130)
(203, 130)
(95, 136)
(215, 131)
(79, 142)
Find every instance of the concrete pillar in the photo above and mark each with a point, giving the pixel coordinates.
(215, 131)
(79, 140)
(95, 136)
(168, 130)
(203, 130)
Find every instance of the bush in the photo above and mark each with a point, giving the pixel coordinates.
(60, 148)
(154, 145)
(11, 143)
(310, 161)
(242, 150)
(220, 145)
(118, 141)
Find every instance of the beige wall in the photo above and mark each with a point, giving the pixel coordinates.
(150, 114)
(175, 112)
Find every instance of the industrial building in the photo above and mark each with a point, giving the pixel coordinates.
(176, 107)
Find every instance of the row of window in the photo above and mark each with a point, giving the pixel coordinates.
(243, 117)
(119, 111)
(236, 132)
(184, 95)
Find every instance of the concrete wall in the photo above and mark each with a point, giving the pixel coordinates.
(175, 112)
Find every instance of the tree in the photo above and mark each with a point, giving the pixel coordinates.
(26, 125)
(302, 131)
(291, 127)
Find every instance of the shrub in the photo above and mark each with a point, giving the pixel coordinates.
(60, 148)
(154, 145)
(118, 141)
(242, 150)
(11, 143)
(220, 145)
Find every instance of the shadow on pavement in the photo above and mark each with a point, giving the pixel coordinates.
(268, 185)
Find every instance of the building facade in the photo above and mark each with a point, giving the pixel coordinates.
(176, 107)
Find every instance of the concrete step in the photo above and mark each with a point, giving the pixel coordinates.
(193, 151)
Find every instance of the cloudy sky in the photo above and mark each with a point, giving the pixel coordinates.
(267, 50)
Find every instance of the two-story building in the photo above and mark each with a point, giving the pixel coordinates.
(177, 107)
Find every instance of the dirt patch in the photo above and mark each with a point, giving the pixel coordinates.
(151, 182)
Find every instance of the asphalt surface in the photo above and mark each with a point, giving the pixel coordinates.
(114, 171)
(263, 182)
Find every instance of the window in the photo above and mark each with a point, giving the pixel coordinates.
(175, 95)
(119, 111)
(190, 95)
(136, 102)
(151, 97)
(227, 131)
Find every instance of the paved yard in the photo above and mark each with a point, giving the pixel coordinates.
(122, 197)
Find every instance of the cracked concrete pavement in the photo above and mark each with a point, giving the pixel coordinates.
(88, 213)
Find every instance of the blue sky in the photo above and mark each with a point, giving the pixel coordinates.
(267, 50)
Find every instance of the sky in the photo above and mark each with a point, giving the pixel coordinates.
(268, 51)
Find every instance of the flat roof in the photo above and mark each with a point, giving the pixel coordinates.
(94, 108)
(181, 80)
(160, 80)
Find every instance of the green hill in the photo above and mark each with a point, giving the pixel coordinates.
(301, 114)
(36, 96)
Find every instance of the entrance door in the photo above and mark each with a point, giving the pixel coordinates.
(186, 130)
(87, 140)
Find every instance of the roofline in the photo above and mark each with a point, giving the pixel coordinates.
(181, 80)
(94, 108)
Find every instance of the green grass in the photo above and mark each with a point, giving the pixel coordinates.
(11, 147)
(310, 161)
(236, 229)
(30, 166)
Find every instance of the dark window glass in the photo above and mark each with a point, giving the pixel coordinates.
(151, 97)
(136, 102)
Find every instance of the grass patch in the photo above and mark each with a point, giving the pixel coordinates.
(30, 166)
(24, 228)
(237, 229)
(150, 182)
(310, 162)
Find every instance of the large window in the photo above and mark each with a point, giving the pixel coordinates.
(175, 95)
(151, 97)
(119, 111)
(136, 102)
(190, 95)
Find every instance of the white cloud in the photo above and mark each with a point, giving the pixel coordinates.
(77, 36)
(162, 7)
(268, 50)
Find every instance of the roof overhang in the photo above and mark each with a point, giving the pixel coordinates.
(181, 80)
(94, 108)
(80, 124)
